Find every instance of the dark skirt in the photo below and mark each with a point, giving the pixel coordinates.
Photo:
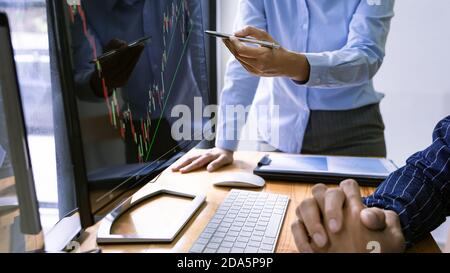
(356, 132)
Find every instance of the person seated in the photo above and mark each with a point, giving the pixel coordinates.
(409, 204)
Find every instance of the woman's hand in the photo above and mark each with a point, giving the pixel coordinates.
(214, 159)
(268, 62)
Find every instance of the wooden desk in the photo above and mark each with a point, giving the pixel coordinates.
(7, 228)
(201, 182)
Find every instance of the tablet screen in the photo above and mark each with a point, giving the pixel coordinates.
(376, 167)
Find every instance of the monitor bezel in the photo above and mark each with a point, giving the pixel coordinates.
(18, 142)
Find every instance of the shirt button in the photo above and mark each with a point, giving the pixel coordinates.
(305, 26)
(318, 80)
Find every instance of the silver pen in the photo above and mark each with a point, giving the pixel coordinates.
(245, 40)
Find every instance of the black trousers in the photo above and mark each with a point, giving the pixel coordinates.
(356, 132)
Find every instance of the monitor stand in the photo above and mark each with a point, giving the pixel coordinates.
(104, 235)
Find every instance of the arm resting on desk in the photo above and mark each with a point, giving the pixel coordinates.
(419, 192)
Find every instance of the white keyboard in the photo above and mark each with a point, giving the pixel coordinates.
(246, 222)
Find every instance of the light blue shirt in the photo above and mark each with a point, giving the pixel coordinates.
(344, 42)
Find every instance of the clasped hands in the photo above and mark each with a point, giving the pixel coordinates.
(336, 220)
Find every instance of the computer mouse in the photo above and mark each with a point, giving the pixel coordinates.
(239, 179)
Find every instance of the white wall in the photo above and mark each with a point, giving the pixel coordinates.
(226, 12)
(415, 75)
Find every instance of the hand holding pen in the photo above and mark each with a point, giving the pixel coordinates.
(266, 60)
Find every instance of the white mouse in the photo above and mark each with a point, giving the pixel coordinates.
(239, 179)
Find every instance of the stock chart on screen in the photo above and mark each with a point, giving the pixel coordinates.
(127, 90)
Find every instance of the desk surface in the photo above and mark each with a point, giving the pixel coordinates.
(200, 182)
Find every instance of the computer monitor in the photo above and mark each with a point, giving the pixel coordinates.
(17, 185)
(125, 110)
(15, 161)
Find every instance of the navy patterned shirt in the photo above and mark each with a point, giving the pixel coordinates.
(420, 191)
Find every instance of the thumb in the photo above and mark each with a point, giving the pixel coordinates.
(255, 33)
(373, 218)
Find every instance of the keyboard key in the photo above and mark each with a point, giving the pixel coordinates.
(250, 224)
(228, 220)
(202, 241)
(266, 247)
(251, 249)
(209, 230)
(258, 233)
(254, 243)
(222, 229)
(268, 240)
(240, 244)
(210, 250)
(220, 234)
(233, 233)
(235, 228)
(249, 229)
(224, 250)
(272, 228)
(216, 240)
(230, 239)
(243, 239)
(227, 244)
(237, 250)
(197, 248)
(256, 238)
(246, 233)
(206, 235)
(213, 245)
(278, 211)
(260, 228)
(212, 225)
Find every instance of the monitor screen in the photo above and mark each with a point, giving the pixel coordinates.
(139, 78)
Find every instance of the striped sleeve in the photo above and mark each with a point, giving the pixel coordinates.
(420, 191)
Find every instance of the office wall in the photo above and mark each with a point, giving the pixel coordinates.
(415, 75)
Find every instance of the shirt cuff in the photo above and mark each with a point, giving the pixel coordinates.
(318, 70)
(230, 145)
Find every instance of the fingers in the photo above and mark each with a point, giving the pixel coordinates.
(301, 238)
(255, 33)
(245, 51)
(184, 163)
(221, 161)
(199, 162)
(352, 194)
(229, 46)
(394, 225)
(310, 214)
(333, 207)
(373, 219)
(318, 191)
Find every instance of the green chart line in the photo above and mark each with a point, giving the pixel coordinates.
(170, 90)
